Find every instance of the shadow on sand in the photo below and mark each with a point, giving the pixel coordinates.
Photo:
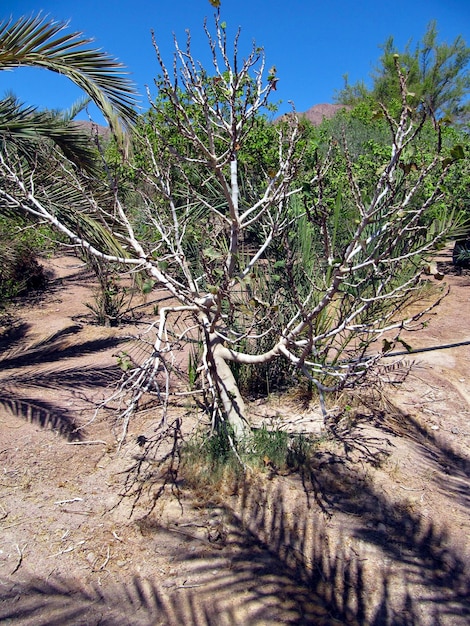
(277, 565)
(28, 369)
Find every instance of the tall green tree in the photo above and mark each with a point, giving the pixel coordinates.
(437, 76)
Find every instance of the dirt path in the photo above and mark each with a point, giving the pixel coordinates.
(347, 543)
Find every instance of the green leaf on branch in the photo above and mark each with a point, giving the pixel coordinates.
(457, 152)
(148, 285)
(387, 345)
(124, 361)
(212, 254)
(307, 188)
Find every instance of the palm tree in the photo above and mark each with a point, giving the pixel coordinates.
(25, 128)
(27, 135)
(32, 140)
(37, 42)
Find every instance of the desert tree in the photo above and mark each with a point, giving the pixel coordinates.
(260, 261)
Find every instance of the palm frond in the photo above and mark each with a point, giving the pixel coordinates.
(77, 211)
(77, 107)
(26, 127)
(71, 198)
(38, 42)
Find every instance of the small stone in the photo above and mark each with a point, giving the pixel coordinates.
(381, 527)
(434, 427)
(90, 557)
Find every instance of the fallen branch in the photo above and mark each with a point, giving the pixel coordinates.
(105, 562)
(195, 537)
(86, 443)
(444, 346)
(76, 512)
(20, 560)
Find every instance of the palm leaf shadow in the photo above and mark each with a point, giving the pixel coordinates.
(18, 358)
(278, 565)
(44, 414)
(54, 348)
(269, 581)
(13, 335)
(139, 602)
(421, 549)
(450, 470)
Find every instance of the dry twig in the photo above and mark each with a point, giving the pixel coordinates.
(20, 559)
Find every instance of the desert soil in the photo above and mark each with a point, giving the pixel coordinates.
(363, 537)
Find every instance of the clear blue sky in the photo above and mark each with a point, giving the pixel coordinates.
(312, 43)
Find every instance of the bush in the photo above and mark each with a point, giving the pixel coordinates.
(20, 247)
(461, 254)
(110, 299)
(20, 271)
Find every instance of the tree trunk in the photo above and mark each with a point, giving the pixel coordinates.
(230, 396)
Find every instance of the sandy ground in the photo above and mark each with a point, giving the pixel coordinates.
(351, 541)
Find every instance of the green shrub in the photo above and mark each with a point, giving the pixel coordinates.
(212, 460)
(110, 299)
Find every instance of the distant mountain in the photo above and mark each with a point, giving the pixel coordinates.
(315, 115)
(93, 129)
(319, 112)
